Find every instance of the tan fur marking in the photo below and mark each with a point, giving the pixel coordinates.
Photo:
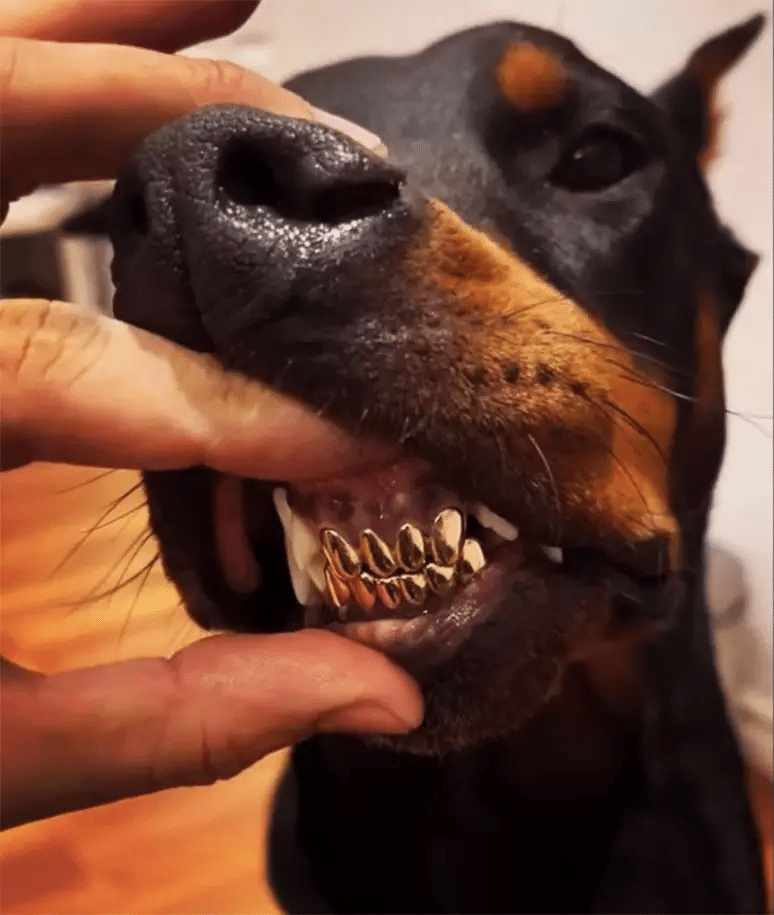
(711, 150)
(605, 467)
(532, 78)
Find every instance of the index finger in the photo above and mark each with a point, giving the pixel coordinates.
(76, 111)
(164, 25)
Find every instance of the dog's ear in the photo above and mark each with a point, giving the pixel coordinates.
(690, 96)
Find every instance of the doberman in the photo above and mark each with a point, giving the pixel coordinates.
(528, 299)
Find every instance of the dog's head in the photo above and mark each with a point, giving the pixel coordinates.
(528, 299)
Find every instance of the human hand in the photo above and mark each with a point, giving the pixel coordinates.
(81, 388)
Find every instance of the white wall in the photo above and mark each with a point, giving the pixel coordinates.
(642, 41)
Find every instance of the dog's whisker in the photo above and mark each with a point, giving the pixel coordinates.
(611, 452)
(143, 578)
(654, 341)
(612, 346)
(98, 525)
(89, 482)
(552, 479)
(750, 418)
(637, 427)
(133, 550)
(129, 513)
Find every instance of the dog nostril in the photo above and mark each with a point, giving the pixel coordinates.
(343, 202)
(247, 177)
(294, 188)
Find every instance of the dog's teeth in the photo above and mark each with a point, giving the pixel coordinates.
(471, 560)
(301, 550)
(363, 589)
(446, 538)
(389, 592)
(553, 553)
(414, 588)
(337, 591)
(410, 548)
(439, 577)
(316, 571)
(343, 558)
(377, 555)
(302, 584)
(487, 518)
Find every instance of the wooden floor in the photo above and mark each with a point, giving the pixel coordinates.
(190, 851)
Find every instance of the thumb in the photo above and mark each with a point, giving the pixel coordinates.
(86, 737)
(241, 697)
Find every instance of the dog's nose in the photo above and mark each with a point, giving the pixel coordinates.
(233, 200)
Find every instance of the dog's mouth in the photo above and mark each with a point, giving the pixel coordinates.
(393, 558)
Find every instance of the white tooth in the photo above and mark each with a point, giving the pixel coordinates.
(302, 583)
(316, 571)
(553, 553)
(487, 518)
(301, 549)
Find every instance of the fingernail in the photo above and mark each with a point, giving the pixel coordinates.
(355, 131)
(367, 718)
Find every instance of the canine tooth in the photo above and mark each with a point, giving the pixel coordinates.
(316, 571)
(446, 539)
(472, 559)
(343, 558)
(487, 518)
(410, 548)
(301, 549)
(553, 553)
(377, 555)
(302, 583)
(363, 589)
(439, 577)
(389, 592)
(337, 590)
(414, 588)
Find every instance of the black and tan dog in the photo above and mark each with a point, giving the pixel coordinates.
(530, 301)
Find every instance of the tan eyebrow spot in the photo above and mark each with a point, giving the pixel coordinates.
(532, 78)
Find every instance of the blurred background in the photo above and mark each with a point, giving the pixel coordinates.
(69, 537)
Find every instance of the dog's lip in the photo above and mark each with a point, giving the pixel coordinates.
(437, 636)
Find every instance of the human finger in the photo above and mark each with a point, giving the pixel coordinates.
(82, 388)
(161, 25)
(73, 112)
(87, 737)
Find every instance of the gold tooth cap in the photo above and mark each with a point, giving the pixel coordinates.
(410, 548)
(342, 557)
(446, 538)
(472, 559)
(389, 592)
(339, 593)
(377, 555)
(439, 577)
(414, 588)
(363, 589)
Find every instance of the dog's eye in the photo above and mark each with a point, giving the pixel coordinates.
(601, 158)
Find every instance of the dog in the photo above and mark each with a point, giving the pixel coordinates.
(527, 300)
